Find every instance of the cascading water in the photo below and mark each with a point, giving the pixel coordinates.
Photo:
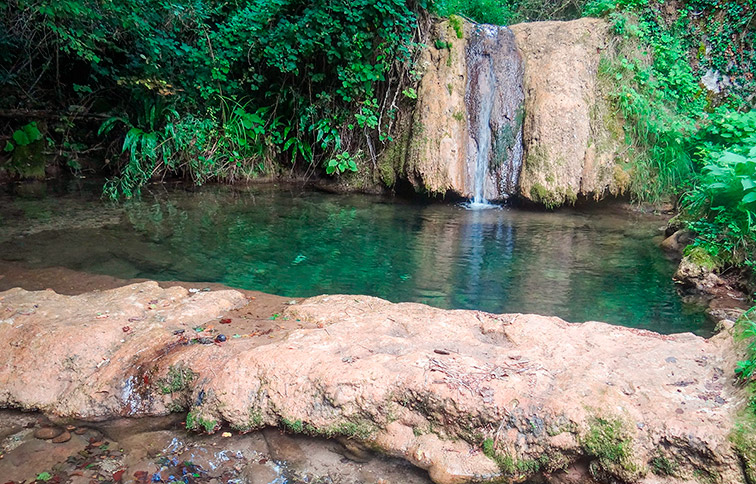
(494, 99)
(487, 87)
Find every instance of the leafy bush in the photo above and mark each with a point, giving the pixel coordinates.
(296, 81)
(746, 330)
(724, 202)
(507, 12)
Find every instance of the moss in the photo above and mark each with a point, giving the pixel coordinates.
(176, 407)
(512, 466)
(700, 257)
(459, 116)
(293, 426)
(255, 421)
(359, 430)
(29, 161)
(177, 380)
(450, 88)
(662, 466)
(705, 477)
(743, 438)
(570, 196)
(541, 194)
(391, 163)
(197, 422)
(609, 443)
(456, 23)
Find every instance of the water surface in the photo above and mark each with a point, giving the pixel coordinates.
(600, 265)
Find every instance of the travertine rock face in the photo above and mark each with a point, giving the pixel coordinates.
(433, 159)
(520, 111)
(470, 396)
(468, 114)
(572, 139)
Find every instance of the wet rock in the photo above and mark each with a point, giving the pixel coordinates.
(256, 473)
(469, 113)
(47, 433)
(677, 241)
(354, 451)
(64, 437)
(284, 448)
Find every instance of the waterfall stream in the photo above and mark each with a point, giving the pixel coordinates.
(494, 99)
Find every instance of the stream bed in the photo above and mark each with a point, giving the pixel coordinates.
(599, 264)
(159, 449)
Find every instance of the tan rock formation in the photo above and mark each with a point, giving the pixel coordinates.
(437, 141)
(467, 395)
(572, 139)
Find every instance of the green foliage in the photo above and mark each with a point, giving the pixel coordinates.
(673, 122)
(506, 12)
(723, 206)
(746, 330)
(221, 88)
(341, 163)
(44, 476)
(24, 136)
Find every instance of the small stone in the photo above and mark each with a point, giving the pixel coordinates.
(80, 431)
(226, 434)
(47, 433)
(64, 437)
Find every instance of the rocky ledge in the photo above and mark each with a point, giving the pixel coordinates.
(467, 395)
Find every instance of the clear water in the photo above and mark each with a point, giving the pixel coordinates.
(600, 265)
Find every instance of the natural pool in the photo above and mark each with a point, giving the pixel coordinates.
(599, 264)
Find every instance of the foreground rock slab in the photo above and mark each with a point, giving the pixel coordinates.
(467, 395)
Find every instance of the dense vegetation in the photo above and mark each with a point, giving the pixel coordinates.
(204, 88)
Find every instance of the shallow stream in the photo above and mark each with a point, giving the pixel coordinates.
(600, 264)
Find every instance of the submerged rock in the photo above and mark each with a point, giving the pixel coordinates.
(467, 395)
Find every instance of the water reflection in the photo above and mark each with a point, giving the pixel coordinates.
(576, 265)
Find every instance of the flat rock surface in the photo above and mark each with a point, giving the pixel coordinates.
(467, 395)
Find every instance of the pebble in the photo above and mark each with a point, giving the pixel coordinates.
(47, 433)
(80, 431)
(64, 437)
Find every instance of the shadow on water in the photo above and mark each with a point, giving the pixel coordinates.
(579, 265)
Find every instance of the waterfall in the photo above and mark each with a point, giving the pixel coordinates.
(494, 98)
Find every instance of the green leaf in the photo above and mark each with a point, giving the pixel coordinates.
(749, 197)
(19, 136)
(8, 147)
